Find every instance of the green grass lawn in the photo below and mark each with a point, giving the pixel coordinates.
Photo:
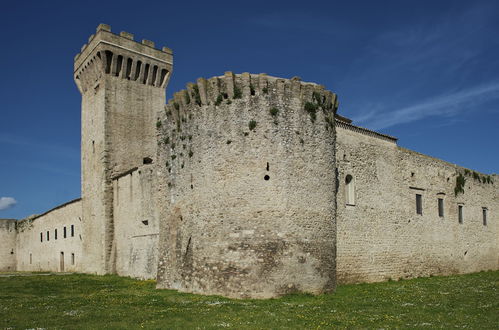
(86, 301)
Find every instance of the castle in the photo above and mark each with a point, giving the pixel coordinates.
(246, 185)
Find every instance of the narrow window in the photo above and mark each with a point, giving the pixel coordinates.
(41, 237)
(146, 73)
(109, 58)
(137, 70)
(154, 74)
(128, 68)
(72, 230)
(48, 236)
(72, 258)
(349, 190)
(163, 76)
(62, 262)
(419, 204)
(64, 232)
(30, 258)
(484, 216)
(441, 207)
(460, 213)
(55, 234)
(119, 65)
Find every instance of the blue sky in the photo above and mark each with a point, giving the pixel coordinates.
(424, 71)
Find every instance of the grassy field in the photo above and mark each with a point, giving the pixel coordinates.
(97, 302)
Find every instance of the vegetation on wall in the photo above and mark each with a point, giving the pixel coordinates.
(252, 125)
(197, 97)
(460, 181)
(219, 100)
(311, 108)
(476, 176)
(274, 112)
(237, 93)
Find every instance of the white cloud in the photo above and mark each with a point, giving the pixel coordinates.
(446, 105)
(7, 202)
(440, 67)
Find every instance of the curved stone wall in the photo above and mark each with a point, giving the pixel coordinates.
(249, 191)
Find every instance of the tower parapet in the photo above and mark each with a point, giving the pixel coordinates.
(121, 56)
(250, 187)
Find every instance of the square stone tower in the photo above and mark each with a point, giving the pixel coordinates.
(122, 83)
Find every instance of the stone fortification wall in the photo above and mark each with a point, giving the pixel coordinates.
(8, 249)
(136, 223)
(250, 187)
(122, 83)
(51, 241)
(380, 233)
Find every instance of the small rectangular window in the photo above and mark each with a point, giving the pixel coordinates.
(30, 258)
(64, 232)
(460, 213)
(441, 207)
(419, 204)
(72, 230)
(55, 234)
(48, 235)
(484, 215)
(41, 237)
(72, 258)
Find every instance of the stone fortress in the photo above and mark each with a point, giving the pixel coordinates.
(246, 185)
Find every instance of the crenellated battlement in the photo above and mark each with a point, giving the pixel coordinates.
(120, 56)
(243, 87)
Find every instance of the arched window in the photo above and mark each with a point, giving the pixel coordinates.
(349, 190)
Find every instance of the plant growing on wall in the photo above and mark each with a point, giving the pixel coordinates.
(219, 100)
(311, 108)
(274, 112)
(459, 188)
(252, 125)
(237, 93)
(197, 97)
(476, 176)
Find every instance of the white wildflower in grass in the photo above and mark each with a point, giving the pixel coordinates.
(71, 313)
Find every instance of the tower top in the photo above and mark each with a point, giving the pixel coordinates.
(124, 40)
(119, 55)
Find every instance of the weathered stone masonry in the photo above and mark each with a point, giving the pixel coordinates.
(250, 187)
(247, 185)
